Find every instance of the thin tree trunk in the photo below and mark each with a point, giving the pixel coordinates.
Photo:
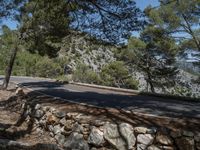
(9, 68)
(150, 83)
(190, 31)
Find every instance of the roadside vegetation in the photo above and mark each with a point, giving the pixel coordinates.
(44, 45)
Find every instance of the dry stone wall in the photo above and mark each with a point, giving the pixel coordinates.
(73, 130)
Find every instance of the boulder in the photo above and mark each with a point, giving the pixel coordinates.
(37, 106)
(76, 142)
(57, 129)
(77, 128)
(51, 119)
(96, 137)
(141, 130)
(126, 131)
(60, 114)
(146, 139)
(141, 147)
(188, 133)
(163, 139)
(19, 91)
(60, 139)
(38, 113)
(120, 136)
(69, 125)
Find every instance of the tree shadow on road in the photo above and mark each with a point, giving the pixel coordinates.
(110, 106)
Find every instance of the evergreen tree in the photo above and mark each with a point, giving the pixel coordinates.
(153, 54)
(179, 17)
(43, 23)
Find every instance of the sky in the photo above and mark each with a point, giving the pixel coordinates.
(139, 3)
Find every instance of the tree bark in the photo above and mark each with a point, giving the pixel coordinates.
(9, 68)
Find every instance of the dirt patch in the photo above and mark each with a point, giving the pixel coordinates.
(11, 109)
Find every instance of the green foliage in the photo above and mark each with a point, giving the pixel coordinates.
(116, 74)
(84, 74)
(154, 55)
(181, 91)
(181, 16)
(7, 42)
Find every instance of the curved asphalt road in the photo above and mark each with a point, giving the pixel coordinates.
(105, 98)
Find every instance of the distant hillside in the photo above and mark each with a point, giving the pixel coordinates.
(83, 49)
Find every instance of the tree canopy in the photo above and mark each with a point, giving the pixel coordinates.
(45, 22)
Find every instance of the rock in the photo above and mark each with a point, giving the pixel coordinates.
(152, 130)
(98, 123)
(175, 134)
(113, 136)
(168, 147)
(19, 91)
(185, 143)
(126, 130)
(188, 133)
(50, 128)
(146, 139)
(153, 147)
(197, 138)
(96, 137)
(69, 125)
(163, 139)
(141, 147)
(46, 108)
(57, 129)
(37, 106)
(63, 121)
(141, 130)
(52, 109)
(60, 114)
(39, 113)
(77, 128)
(51, 119)
(60, 139)
(71, 115)
(76, 142)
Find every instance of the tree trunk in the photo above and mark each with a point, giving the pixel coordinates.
(191, 32)
(150, 83)
(9, 68)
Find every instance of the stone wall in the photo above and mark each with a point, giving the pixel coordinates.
(73, 130)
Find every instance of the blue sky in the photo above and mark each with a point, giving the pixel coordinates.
(140, 3)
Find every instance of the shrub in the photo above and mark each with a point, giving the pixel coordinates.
(84, 74)
(116, 74)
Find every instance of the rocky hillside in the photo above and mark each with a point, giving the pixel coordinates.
(82, 49)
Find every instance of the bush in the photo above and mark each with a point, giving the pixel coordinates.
(116, 74)
(47, 68)
(84, 74)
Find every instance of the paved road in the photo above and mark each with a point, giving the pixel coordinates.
(105, 98)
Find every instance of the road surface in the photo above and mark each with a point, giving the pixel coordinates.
(105, 98)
